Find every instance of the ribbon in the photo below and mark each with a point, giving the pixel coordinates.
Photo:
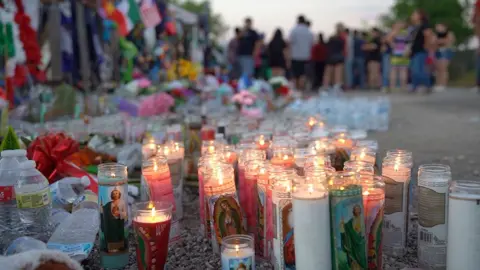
(50, 153)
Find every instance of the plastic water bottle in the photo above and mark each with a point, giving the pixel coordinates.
(58, 215)
(34, 201)
(76, 234)
(23, 244)
(20, 154)
(9, 218)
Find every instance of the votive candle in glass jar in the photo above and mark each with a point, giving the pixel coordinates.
(175, 152)
(373, 203)
(282, 157)
(238, 252)
(113, 203)
(300, 156)
(229, 154)
(463, 220)
(264, 206)
(262, 142)
(396, 169)
(433, 182)
(208, 147)
(150, 147)
(224, 213)
(343, 146)
(317, 161)
(283, 242)
(363, 154)
(151, 225)
(347, 220)
(361, 167)
(206, 162)
(312, 227)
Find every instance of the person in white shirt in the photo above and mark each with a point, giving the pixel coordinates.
(301, 43)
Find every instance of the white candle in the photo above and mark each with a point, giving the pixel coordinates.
(396, 208)
(240, 257)
(463, 247)
(433, 181)
(312, 228)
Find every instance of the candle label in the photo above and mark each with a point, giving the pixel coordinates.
(283, 242)
(175, 167)
(374, 210)
(113, 218)
(226, 217)
(432, 223)
(152, 244)
(396, 211)
(348, 229)
(246, 263)
(261, 230)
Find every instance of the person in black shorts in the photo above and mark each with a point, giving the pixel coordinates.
(373, 52)
(335, 60)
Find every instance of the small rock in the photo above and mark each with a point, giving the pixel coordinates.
(461, 157)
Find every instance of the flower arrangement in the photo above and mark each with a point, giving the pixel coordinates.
(246, 103)
(280, 86)
(182, 69)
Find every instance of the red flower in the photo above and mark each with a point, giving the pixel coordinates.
(282, 91)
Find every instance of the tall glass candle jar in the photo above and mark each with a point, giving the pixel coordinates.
(113, 204)
(224, 212)
(263, 243)
(262, 142)
(433, 182)
(312, 227)
(347, 222)
(396, 169)
(373, 203)
(238, 252)
(283, 239)
(229, 154)
(343, 146)
(150, 147)
(300, 156)
(175, 152)
(205, 163)
(463, 219)
(361, 167)
(151, 225)
(157, 176)
(250, 203)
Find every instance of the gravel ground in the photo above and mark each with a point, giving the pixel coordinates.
(439, 128)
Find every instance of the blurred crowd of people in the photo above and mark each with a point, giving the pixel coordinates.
(413, 56)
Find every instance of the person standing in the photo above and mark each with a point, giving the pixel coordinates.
(232, 48)
(349, 55)
(421, 51)
(319, 55)
(301, 43)
(445, 41)
(335, 60)
(248, 46)
(359, 57)
(476, 26)
(277, 54)
(397, 39)
(373, 51)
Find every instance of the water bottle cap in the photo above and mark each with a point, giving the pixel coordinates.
(14, 153)
(29, 164)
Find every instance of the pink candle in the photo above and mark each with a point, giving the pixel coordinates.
(249, 195)
(262, 214)
(373, 202)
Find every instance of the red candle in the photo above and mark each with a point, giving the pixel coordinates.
(151, 225)
(373, 202)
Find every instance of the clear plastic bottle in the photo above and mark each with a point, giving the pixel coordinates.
(9, 218)
(76, 234)
(34, 201)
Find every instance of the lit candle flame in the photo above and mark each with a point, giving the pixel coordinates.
(177, 147)
(395, 167)
(365, 193)
(228, 154)
(261, 142)
(285, 157)
(112, 174)
(362, 155)
(236, 249)
(211, 149)
(342, 188)
(262, 171)
(150, 205)
(153, 212)
(166, 151)
(342, 141)
(310, 188)
(330, 182)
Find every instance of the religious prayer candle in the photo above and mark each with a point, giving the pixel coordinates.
(264, 216)
(113, 204)
(151, 225)
(149, 149)
(373, 203)
(312, 227)
(433, 182)
(282, 157)
(238, 252)
(262, 142)
(283, 239)
(229, 154)
(463, 246)
(208, 147)
(175, 152)
(396, 169)
(347, 222)
(300, 156)
(157, 176)
(205, 163)
(225, 216)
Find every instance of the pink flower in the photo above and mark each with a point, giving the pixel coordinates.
(155, 104)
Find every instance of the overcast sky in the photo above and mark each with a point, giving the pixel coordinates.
(324, 14)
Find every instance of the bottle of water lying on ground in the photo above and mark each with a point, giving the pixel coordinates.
(34, 201)
(76, 234)
(9, 218)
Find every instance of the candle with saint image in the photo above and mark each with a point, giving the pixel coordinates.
(283, 238)
(396, 168)
(347, 221)
(264, 208)
(250, 205)
(373, 202)
(151, 225)
(205, 163)
(238, 252)
(312, 227)
(157, 176)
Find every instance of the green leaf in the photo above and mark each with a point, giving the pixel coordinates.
(10, 141)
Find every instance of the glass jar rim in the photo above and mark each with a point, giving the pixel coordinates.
(146, 207)
(237, 241)
(434, 168)
(466, 187)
